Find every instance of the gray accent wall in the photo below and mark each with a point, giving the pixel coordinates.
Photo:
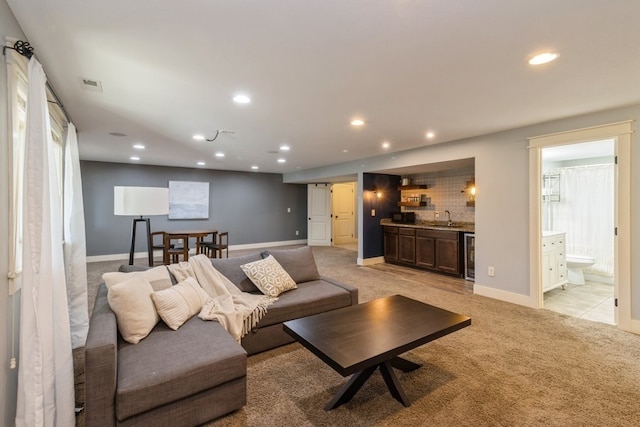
(252, 207)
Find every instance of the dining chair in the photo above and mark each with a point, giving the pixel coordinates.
(214, 250)
(176, 245)
(158, 246)
(205, 240)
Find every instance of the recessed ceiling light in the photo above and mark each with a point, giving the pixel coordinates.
(430, 135)
(198, 137)
(543, 58)
(219, 154)
(285, 148)
(386, 145)
(357, 122)
(138, 146)
(134, 158)
(345, 151)
(254, 167)
(282, 160)
(201, 163)
(242, 99)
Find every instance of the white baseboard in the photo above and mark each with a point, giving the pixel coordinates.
(144, 255)
(370, 261)
(506, 296)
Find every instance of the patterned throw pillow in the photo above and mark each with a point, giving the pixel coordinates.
(269, 276)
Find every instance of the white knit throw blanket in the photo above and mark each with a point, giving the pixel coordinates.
(238, 312)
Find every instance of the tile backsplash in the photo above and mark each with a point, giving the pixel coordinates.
(445, 193)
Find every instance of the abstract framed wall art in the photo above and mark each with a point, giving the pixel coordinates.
(188, 200)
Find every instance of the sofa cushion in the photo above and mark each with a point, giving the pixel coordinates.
(171, 365)
(230, 268)
(299, 263)
(157, 276)
(269, 276)
(131, 301)
(309, 298)
(179, 303)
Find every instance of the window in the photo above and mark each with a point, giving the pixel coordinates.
(17, 120)
(17, 86)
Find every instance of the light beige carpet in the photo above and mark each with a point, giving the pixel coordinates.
(513, 366)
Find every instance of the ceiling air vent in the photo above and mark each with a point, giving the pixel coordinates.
(91, 85)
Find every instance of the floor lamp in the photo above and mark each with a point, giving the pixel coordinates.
(140, 201)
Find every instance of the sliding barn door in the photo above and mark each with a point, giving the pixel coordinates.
(319, 220)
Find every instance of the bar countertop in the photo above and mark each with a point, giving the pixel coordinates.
(466, 227)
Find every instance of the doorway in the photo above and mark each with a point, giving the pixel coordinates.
(621, 133)
(578, 187)
(332, 210)
(343, 203)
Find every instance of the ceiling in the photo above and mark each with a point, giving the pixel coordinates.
(458, 68)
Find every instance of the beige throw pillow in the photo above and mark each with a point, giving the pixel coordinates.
(158, 277)
(131, 301)
(180, 303)
(269, 276)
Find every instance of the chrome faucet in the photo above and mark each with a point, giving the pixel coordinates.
(449, 222)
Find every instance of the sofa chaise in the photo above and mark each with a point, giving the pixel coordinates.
(198, 372)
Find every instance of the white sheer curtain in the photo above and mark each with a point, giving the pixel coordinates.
(75, 246)
(45, 370)
(585, 212)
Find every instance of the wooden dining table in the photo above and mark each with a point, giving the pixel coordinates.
(198, 235)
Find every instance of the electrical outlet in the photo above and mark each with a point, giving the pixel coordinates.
(288, 210)
(373, 212)
(491, 271)
(437, 214)
(297, 233)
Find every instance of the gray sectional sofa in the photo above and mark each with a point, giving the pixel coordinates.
(198, 372)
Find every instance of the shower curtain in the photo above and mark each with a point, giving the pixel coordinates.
(586, 213)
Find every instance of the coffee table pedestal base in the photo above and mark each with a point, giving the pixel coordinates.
(351, 387)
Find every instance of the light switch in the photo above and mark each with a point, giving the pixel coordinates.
(373, 212)
(289, 210)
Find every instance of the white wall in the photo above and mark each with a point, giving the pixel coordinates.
(502, 206)
(8, 377)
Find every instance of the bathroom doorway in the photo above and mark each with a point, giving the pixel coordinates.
(620, 133)
(578, 226)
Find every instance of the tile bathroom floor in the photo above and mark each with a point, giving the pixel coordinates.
(592, 301)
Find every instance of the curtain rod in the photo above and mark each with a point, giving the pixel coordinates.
(26, 50)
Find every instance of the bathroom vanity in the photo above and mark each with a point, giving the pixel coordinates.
(554, 261)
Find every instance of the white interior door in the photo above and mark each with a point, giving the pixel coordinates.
(343, 207)
(319, 219)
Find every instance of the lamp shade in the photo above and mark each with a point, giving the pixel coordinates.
(141, 201)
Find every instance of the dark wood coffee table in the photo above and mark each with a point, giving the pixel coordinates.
(359, 339)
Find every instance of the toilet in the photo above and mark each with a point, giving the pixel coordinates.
(575, 265)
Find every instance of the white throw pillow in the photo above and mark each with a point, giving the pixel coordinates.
(135, 313)
(158, 277)
(269, 276)
(179, 303)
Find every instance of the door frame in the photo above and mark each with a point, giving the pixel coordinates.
(621, 133)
